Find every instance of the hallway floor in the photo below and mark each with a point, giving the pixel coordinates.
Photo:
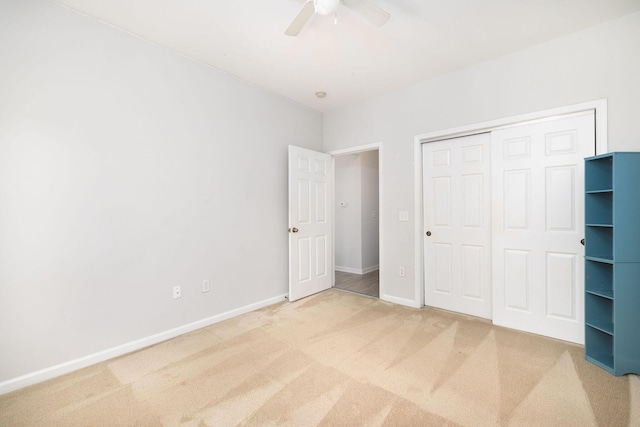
(366, 284)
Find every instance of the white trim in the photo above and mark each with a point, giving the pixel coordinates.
(357, 149)
(353, 150)
(352, 270)
(599, 106)
(602, 146)
(367, 270)
(91, 359)
(401, 301)
(418, 224)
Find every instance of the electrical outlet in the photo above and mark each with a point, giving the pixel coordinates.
(177, 292)
(402, 272)
(206, 285)
(403, 216)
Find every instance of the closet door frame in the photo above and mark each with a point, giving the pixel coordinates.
(599, 107)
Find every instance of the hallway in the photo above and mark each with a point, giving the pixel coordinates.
(366, 284)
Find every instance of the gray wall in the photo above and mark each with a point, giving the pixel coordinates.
(370, 203)
(356, 231)
(600, 62)
(125, 170)
(348, 219)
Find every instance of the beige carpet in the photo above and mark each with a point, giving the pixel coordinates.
(338, 359)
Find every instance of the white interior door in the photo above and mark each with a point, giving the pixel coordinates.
(538, 222)
(457, 219)
(310, 216)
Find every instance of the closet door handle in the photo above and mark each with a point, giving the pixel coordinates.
(582, 241)
(428, 233)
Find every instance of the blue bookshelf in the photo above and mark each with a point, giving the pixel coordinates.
(612, 262)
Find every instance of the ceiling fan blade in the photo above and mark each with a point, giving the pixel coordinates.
(301, 19)
(369, 11)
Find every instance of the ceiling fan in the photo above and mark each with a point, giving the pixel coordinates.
(368, 10)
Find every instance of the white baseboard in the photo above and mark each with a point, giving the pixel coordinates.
(401, 301)
(91, 359)
(348, 270)
(356, 270)
(370, 269)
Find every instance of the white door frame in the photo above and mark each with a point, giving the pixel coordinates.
(355, 150)
(599, 106)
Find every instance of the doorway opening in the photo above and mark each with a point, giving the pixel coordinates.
(357, 221)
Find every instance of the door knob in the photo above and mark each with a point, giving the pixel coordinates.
(293, 230)
(582, 241)
(428, 233)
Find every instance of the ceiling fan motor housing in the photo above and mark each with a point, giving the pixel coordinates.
(326, 7)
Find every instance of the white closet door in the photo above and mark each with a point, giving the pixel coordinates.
(538, 222)
(457, 219)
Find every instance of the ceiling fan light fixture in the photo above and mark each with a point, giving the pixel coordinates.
(368, 10)
(326, 7)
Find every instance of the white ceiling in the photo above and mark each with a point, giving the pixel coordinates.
(353, 60)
